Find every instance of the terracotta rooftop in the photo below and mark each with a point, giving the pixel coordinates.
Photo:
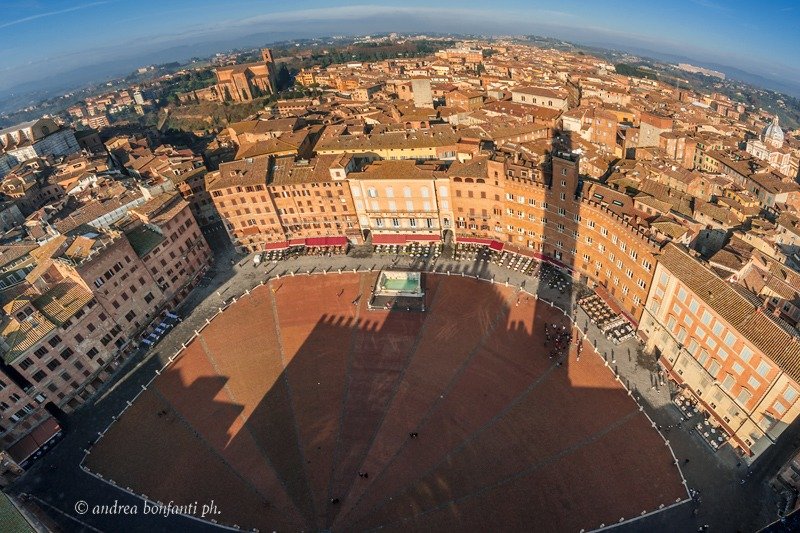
(240, 173)
(61, 302)
(766, 333)
(401, 168)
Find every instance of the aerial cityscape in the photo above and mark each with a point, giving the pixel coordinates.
(463, 267)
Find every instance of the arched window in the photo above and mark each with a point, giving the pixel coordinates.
(407, 192)
(424, 192)
(372, 192)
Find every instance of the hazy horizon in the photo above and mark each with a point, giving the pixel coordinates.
(125, 35)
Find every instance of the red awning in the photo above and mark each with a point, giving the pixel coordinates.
(326, 241)
(27, 445)
(423, 238)
(496, 245)
(315, 241)
(282, 245)
(388, 238)
(402, 238)
(297, 242)
(336, 241)
(474, 240)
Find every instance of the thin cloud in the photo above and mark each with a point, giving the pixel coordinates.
(710, 5)
(51, 13)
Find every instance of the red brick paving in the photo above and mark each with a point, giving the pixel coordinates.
(287, 411)
(321, 370)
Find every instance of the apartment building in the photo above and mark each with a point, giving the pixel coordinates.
(400, 201)
(476, 201)
(545, 213)
(192, 186)
(80, 309)
(715, 341)
(438, 142)
(539, 96)
(268, 202)
(170, 244)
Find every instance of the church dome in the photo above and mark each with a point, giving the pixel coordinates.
(773, 134)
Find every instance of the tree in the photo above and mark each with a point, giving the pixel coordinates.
(284, 78)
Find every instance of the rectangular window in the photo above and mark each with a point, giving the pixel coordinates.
(730, 339)
(746, 354)
(728, 382)
(753, 382)
(790, 394)
(714, 368)
(743, 397)
(693, 346)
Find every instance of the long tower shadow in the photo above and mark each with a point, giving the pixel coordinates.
(297, 408)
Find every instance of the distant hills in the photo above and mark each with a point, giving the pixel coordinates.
(32, 92)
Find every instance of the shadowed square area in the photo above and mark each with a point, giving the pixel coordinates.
(299, 408)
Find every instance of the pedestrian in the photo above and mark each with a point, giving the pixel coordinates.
(413, 434)
(686, 461)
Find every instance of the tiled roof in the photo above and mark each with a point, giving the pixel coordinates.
(62, 301)
(540, 91)
(401, 168)
(20, 336)
(473, 168)
(426, 138)
(11, 253)
(240, 173)
(763, 331)
(80, 248)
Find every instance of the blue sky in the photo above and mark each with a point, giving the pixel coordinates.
(42, 38)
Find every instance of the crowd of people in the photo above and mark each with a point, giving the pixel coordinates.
(561, 337)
